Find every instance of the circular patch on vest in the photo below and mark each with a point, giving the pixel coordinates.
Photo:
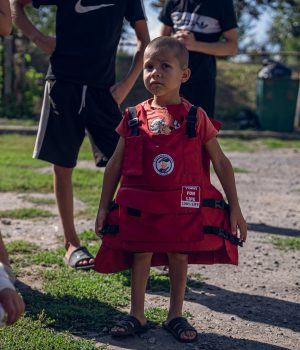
(163, 164)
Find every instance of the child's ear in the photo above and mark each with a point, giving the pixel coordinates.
(185, 75)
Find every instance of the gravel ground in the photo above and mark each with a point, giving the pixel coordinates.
(251, 306)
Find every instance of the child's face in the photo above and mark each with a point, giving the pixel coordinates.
(163, 73)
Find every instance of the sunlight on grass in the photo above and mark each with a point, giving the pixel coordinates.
(286, 242)
(239, 145)
(40, 201)
(25, 213)
(20, 246)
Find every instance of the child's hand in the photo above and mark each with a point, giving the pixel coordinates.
(237, 221)
(100, 220)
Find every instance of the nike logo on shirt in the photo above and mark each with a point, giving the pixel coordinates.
(84, 9)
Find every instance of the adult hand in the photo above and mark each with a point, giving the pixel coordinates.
(119, 91)
(46, 43)
(13, 305)
(187, 38)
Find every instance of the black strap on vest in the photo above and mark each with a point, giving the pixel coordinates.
(219, 231)
(133, 121)
(215, 203)
(110, 229)
(191, 121)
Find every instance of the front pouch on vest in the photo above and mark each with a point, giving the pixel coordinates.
(159, 223)
(133, 156)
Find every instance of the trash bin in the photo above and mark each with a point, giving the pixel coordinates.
(276, 97)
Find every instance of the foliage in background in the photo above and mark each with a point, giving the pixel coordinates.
(285, 30)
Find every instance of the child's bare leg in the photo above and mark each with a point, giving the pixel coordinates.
(178, 264)
(139, 277)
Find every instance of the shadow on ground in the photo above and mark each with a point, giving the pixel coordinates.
(274, 230)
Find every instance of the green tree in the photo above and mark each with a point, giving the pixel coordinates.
(285, 30)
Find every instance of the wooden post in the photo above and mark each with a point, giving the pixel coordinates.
(8, 65)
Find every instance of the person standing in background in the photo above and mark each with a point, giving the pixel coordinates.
(200, 25)
(80, 91)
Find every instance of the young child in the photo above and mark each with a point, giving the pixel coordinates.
(166, 210)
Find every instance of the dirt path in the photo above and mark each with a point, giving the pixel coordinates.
(254, 306)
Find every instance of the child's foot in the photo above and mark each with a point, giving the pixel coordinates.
(181, 330)
(128, 325)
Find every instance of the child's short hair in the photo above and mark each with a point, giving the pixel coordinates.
(171, 44)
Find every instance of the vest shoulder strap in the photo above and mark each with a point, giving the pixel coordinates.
(133, 121)
(191, 121)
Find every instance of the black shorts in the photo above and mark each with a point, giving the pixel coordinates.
(68, 111)
(201, 94)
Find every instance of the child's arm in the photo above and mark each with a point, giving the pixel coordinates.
(224, 171)
(111, 179)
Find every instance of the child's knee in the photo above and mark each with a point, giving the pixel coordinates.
(142, 256)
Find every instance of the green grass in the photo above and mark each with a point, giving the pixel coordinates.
(40, 201)
(21, 122)
(286, 242)
(239, 145)
(25, 213)
(20, 246)
(21, 172)
(35, 335)
(72, 303)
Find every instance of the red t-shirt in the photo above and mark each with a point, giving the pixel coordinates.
(164, 120)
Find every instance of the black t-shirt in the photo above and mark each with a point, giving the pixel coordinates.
(87, 37)
(207, 19)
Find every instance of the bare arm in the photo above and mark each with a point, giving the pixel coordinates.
(121, 89)
(5, 18)
(44, 42)
(165, 30)
(224, 171)
(110, 182)
(220, 48)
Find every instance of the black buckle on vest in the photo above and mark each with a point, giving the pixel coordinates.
(215, 203)
(219, 231)
(110, 229)
(133, 122)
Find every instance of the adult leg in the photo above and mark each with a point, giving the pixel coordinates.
(64, 196)
(139, 277)
(178, 274)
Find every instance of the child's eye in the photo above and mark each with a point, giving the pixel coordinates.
(148, 67)
(165, 65)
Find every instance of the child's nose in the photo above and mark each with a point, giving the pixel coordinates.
(156, 72)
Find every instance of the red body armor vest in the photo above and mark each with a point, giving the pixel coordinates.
(166, 202)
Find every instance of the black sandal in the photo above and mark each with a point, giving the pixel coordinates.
(180, 325)
(78, 255)
(130, 325)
